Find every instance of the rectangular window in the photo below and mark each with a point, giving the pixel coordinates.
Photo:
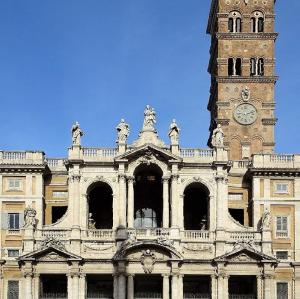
(282, 290)
(13, 252)
(12, 289)
(282, 255)
(14, 184)
(13, 221)
(282, 227)
(282, 188)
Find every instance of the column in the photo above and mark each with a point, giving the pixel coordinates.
(259, 286)
(213, 285)
(166, 217)
(36, 282)
(75, 179)
(166, 287)
(82, 286)
(116, 278)
(225, 286)
(70, 286)
(28, 285)
(130, 287)
(130, 202)
(174, 200)
(220, 285)
(122, 200)
(175, 288)
(122, 287)
(180, 286)
(267, 286)
(76, 286)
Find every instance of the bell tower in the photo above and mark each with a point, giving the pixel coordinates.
(242, 68)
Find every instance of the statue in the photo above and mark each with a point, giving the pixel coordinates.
(29, 217)
(123, 131)
(91, 222)
(265, 220)
(149, 118)
(76, 134)
(174, 132)
(217, 137)
(246, 93)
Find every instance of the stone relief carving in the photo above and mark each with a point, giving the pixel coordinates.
(147, 158)
(52, 242)
(246, 93)
(76, 134)
(91, 222)
(30, 220)
(148, 260)
(265, 220)
(123, 132)
(197, 247)
(98, 247)
(217, 137)
(174, 132)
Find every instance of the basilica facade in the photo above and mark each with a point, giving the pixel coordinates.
(154, 220)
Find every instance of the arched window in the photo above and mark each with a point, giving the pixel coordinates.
(100, 206)
(257, 22)
(148, 197)
(256, 66)
(234, 22)
(234, 67)
(196, 207)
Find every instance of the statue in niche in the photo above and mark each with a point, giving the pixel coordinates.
(246, 93)
(76, 134)
(265, 220)
(149, 118)
(203, 223)
(217, 137)
(174, 132)
(123, 131)
(30, 217)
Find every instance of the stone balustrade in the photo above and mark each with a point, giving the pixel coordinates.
(196, 235)
(22, 157)
(53, 233)
(244, 236)
(56, 164)
(276, 161)
(98, 153)
(98, 234)
(197, 155)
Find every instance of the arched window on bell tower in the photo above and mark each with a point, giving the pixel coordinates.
(256, 66)
(234, 22)
(257, 22)
(234, 67)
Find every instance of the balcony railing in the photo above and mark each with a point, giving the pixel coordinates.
(90, 153)
(99, 234)
(196, 153)
(244, 235)
(196, 296)
(276, 161)
(241, 296)
(54, 233)
(20, 157)
(282, 234)
(196, 235)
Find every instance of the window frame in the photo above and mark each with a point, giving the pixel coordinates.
(8, 288)
(16, 225)
(283, 259)
(15, 250)
(282, 233)
(12, 186)
(276, 191)
(287, 285)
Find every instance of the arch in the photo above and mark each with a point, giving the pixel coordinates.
(148, 196)
(235, 22)
(196, 207)
(100, 205)
(257, 21)
(256, 145)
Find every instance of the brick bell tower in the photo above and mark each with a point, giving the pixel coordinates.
(242, 68)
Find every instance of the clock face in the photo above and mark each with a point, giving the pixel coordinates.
(245, 114)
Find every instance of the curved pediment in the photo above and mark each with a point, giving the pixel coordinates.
(162, 250)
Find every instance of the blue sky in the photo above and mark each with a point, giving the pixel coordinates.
(97, 61)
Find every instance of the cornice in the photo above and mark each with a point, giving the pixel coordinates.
(247, 36)
(269, 121)
(239, 79)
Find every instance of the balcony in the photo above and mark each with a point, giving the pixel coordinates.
(197, 155)
(21, 158)
(276, 161)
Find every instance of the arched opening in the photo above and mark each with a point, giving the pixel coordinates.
(235, 22)
(196, 207)
(100, 206)
(148, 197)
(257, 22)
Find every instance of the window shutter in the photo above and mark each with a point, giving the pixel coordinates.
(4, 220)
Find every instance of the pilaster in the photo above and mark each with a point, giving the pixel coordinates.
(130, 202)
(165, 182)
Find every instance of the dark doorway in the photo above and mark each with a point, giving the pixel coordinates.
(147, 286)
(148, 197)
(99, 286)
(100, 206)
(242, 287)
(53, 286)
(196, 287)
(196, 207)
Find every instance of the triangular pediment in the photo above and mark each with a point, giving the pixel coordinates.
(148, 152)
(50, 254)
(244, 253)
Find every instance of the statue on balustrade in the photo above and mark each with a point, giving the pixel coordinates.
(174, 132)
(76, 134)
(123, 132)
(149, 119)
(30, 220)
(217, 137)
(265, 220)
